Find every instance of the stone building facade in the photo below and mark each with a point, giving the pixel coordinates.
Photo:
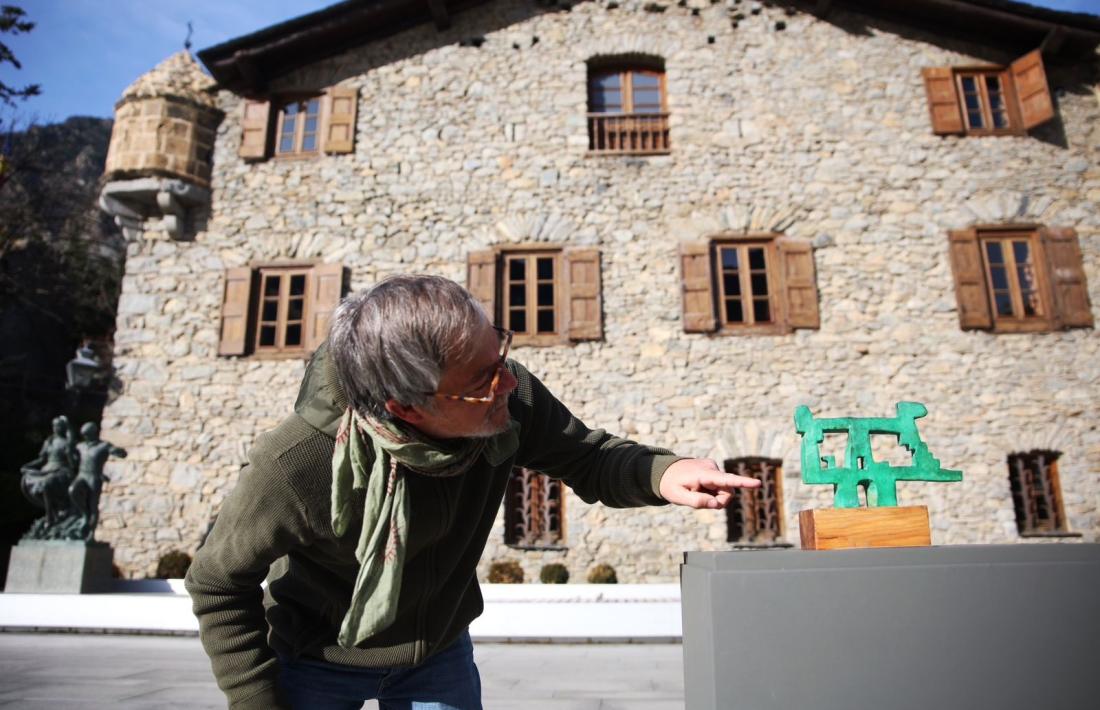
(783, 127)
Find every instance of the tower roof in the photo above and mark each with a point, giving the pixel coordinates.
(179, 76)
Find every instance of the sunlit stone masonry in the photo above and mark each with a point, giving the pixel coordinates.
(696, 216)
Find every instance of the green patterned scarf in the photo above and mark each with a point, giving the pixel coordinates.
(375, 455)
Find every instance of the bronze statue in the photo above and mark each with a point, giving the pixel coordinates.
(65, 480)
(46, 479)
(84, 491)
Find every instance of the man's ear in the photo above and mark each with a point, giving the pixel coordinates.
(405, 413)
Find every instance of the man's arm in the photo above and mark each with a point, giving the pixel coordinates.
(601, 467)
(596, 465)
(261, 520)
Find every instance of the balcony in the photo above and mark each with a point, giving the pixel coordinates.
(628, 133)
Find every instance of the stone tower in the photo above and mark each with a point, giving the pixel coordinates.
(159, 160)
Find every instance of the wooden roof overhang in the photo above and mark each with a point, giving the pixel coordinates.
(247, 64)
(1007, 25)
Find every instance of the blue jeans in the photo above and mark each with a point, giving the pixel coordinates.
(447, 681)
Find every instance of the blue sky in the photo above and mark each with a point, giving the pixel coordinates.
(84, 53)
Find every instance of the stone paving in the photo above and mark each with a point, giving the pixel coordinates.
(130, 672)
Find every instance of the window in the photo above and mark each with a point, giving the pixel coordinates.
(1019, 279)
(754, 515)
(281, 310)
(744, 296)
(627, 109)
(278, 310)
(297, 133)
(530, 306)
(748, 284)
(547, 295)
(299, 126)
(1036, 496)
(983, 100)
(989, 100)
(1012, 277)
(533, 510)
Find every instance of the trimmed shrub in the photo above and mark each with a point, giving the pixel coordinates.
(602, 574)
(505, 572)
(554, 573)
(173, 565)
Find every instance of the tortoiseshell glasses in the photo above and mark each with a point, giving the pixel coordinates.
(505, 344)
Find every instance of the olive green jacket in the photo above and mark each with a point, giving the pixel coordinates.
(277, 520)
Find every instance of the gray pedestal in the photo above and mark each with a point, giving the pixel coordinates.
(60, 567)
(961, 627)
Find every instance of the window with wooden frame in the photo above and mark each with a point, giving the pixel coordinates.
(1036, 492)
(547, 295)
(627, 108)
(297, 131)
(754, 516)
(748, 284)
(989, 100)
(278, 310)
(534, 511)
(530, 304)
(301, 125)
(1018, 279)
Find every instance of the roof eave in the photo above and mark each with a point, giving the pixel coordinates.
(247, 64)
(1004, 24)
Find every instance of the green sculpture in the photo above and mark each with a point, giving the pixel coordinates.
(878, 479)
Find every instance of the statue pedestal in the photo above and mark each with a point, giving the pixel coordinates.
(60, 567)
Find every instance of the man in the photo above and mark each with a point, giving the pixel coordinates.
(372, 503)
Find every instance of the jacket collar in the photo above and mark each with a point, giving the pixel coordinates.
(321, 400)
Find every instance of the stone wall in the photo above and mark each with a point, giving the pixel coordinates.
(820, 128)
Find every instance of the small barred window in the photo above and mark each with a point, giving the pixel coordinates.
(1036, 492)
(754, 515)
(533, 510)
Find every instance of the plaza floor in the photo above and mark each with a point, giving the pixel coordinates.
(39, 671)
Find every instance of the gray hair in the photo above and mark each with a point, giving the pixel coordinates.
(392, 341)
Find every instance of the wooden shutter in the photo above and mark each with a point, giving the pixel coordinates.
(481, 280)
(255, 124)
(326, 282)
(697, 287)
(1032, 91)
(582, 267)
(1067, 277)
(340, 119)
(796, 258)
(235, 300)
(970, 287)
(943, 100)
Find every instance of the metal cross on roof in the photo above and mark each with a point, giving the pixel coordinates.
(877, 478)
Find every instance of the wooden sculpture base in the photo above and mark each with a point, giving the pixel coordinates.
(843, 528)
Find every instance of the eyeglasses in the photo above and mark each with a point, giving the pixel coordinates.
(505, 344)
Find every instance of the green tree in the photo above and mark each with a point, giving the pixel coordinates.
(12, 21)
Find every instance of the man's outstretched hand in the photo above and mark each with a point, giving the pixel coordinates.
(698, 483)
